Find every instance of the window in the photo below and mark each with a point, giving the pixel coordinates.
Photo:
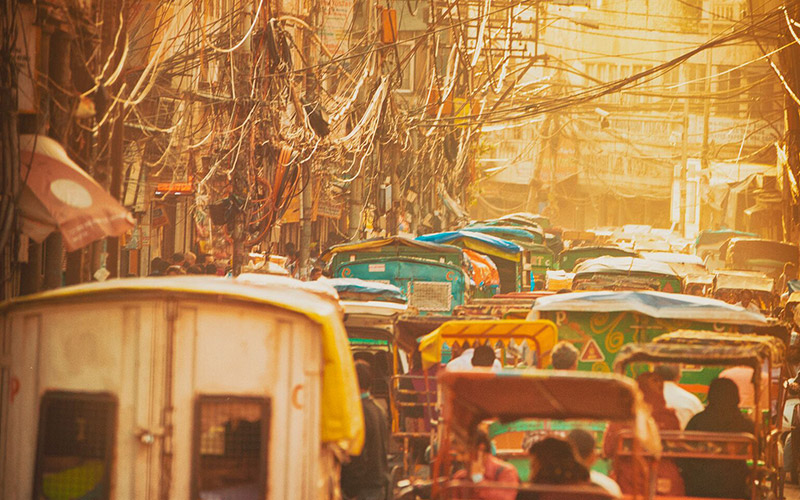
(75, 446)
(230, 447)
(407, 66)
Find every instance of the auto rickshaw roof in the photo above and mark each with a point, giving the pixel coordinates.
(654, 304)
(524, 233)
(398, 241)
(341, 418)
(704, 348)
(673, 257)
(599, 248)
(743, 280)
(480, 242)
(718, 237)
(541, 336)
(623, 265)
(469, 398)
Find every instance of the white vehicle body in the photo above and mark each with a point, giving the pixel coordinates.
(168, 387)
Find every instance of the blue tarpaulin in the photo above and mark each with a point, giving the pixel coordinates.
(453, 236)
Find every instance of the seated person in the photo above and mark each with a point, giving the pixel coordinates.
(553, 462)
(583, 443)
(633, 478)
(481, 465)
(718, 478)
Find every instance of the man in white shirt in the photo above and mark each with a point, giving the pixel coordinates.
(685, 404)
(463, 363)
(583, 443)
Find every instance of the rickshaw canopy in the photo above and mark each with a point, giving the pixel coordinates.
(398, 241)
(704, 348)
(341, 419)
(744, 280)
(483, 243)
(624, 265)
(654, 304)
(469, 398)
(541, 336)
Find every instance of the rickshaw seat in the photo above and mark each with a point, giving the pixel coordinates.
(698, 444)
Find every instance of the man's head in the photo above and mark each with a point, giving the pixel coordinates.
(483, 356)
(669, 372)
(564, 356)
(723, 392)
(190, 259)
(177, 259)
(583, 443)
(364, 374)
(158, 265)
(316, 273)
(746, 298)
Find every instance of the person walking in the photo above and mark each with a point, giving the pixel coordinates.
(365, 477)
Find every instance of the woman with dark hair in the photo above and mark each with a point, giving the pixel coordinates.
(553, 462)
(631, 477)
(718, 478)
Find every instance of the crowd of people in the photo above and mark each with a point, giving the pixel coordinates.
(568, 459)
(185, 263)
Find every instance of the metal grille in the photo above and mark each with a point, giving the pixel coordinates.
(76, 445)
(231, 435)
(430, 295)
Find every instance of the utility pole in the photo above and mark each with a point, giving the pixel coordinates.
(705, 160)
(684, 166)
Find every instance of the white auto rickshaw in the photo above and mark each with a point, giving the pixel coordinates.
(176, 388)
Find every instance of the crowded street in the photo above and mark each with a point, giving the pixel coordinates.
(399, 250)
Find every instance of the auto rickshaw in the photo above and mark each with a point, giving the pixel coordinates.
(712, 349)
(177, 388)
(760, 255)
(431, 276)
(519, 341)
(600, 323)
(734, 286)
(568, 259)
(537, 258)
(506, 255)
(474, 399)
(625, 273)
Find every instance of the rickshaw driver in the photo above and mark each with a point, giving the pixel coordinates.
(481, 465)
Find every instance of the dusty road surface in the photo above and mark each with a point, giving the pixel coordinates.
(792, 492)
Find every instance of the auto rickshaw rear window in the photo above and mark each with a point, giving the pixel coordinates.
(75, 445)
(231, 435)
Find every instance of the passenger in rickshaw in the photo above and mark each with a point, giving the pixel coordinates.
(583, 443)
(685, 404)
(564, 356)
(718, 478)
(464, 361)
(481, 466)
(627, 474)
(747, 301)
(553, 461)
